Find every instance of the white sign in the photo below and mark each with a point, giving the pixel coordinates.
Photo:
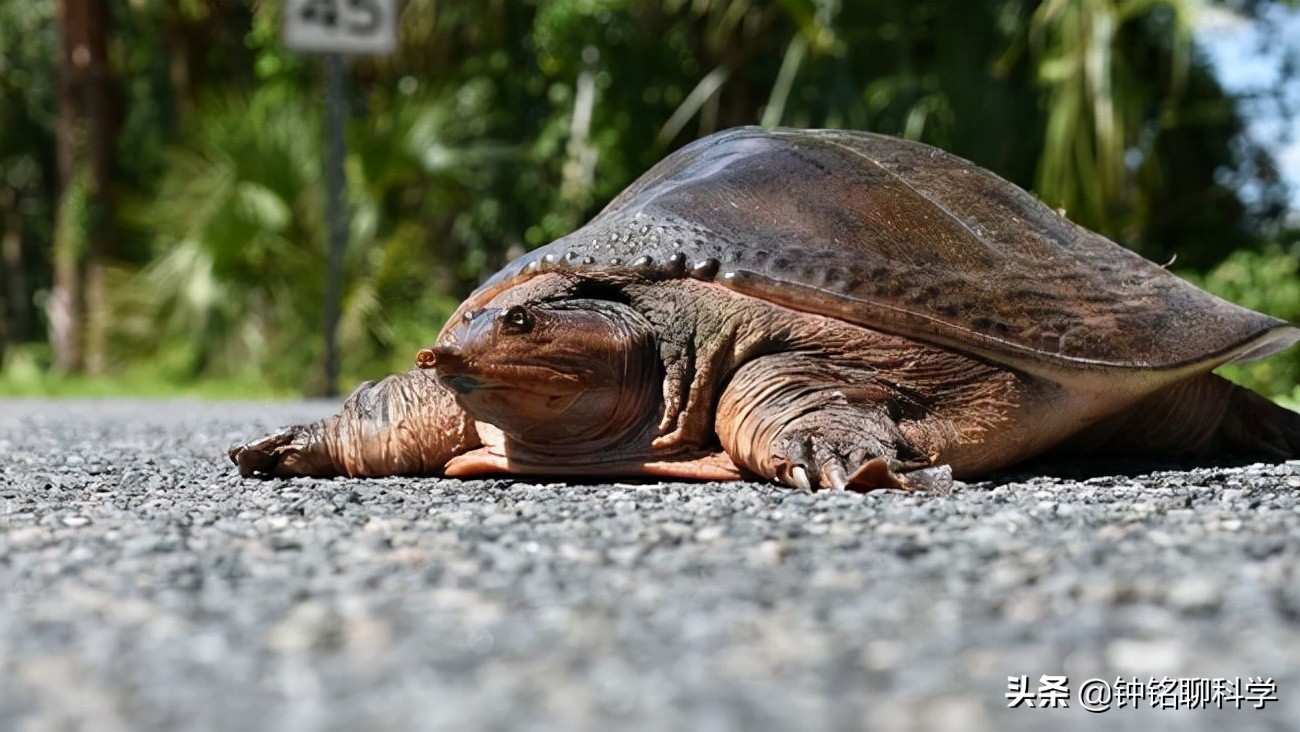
(341, 26)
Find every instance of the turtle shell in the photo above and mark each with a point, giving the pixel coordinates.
(905, 238)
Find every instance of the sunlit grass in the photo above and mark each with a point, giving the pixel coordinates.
(26, 374)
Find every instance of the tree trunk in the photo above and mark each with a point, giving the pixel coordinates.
(15, 299)
(187, 34)
(86, 133)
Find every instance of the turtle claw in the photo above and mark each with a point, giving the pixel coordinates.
(259, 457)
(835, 478)
(799, 477)
(284, 453)
(810, 463)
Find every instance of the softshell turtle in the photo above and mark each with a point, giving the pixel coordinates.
(822, 308)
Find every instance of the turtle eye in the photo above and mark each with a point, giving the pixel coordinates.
(517, 320)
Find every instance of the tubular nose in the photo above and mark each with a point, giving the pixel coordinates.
(446, 359)
(450, 366)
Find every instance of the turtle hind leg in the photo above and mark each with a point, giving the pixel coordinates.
(1255, 426)
(406, 424)
(809, 422)
(1204, 416)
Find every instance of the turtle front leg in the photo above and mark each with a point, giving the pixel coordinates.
(405, 424)
(808, 422)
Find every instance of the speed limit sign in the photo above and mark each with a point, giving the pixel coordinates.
(341, 26)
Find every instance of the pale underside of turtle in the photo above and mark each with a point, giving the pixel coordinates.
(821, 308)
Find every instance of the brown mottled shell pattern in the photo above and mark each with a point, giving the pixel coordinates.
(905, 238)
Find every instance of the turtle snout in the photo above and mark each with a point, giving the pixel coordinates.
(426, 358)
(451, 366)
(442, 358)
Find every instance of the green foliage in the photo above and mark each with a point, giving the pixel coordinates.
(237, 224)
(1094, 101)
(28, 176)
(235, 287)
(27, 373)
(500, 126)
(1267, 281)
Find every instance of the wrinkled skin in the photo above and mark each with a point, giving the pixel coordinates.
(405, 424)
(820, 308)
(545, 379)
(568, 378)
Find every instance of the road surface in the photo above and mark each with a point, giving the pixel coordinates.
(144, 585)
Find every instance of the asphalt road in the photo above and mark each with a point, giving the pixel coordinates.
(144, 585)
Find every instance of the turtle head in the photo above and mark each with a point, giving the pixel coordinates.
(557, 377)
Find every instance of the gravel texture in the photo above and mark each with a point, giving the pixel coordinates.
(144, 585)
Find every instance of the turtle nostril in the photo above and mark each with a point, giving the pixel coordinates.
(426, 358)
(446, 359)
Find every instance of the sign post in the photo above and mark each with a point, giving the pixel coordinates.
(337, 28)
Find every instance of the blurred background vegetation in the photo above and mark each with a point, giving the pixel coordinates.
(161, 194)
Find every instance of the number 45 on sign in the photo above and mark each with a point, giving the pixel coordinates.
(341, 26)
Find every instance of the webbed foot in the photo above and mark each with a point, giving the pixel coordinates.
(406, 424)
(811, 455)
(812, 423)
(291, 451)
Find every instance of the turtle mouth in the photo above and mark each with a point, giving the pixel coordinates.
(521, 377)
(466, 375)
(451, 368)
(462, 383)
